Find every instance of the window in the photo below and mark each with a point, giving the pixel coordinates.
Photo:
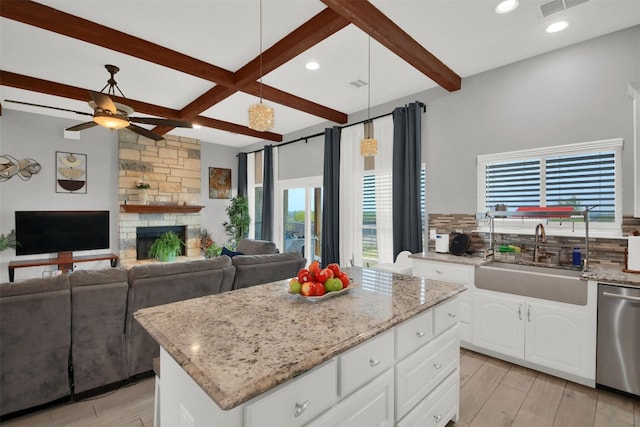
(584, 175)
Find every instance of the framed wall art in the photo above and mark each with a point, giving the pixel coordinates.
(71, 173)
(219, 183)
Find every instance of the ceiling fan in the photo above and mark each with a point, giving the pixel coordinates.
(114, 115)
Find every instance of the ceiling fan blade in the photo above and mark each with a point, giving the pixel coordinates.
(161, 122)
(47, 106)
(144, 132)
(82, 126)
(104, 102)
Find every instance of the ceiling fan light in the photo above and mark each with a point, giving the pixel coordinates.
(261, 117)
(110, 121)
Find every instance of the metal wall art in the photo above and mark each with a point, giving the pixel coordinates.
(71, 176)
(219, 183)
(10, 167)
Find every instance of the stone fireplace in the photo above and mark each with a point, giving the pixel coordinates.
(171, 168)
(145, 236)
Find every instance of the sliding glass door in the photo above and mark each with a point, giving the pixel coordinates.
(300, 205)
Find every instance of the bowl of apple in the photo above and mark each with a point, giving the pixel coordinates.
(316, 283)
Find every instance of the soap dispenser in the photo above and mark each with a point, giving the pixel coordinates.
(563, 256)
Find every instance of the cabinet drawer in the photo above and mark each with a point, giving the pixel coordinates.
(414, 333)
(372, 405)
(446, 315)
(297, 403)
(436, 409)
(447, 272)
(420, 372)
(365, 362)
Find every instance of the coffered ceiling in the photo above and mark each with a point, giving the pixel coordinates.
(199, 60)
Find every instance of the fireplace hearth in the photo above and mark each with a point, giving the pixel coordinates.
(145, 236)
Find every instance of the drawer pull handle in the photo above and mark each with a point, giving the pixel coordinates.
(437, 418)
(437, 365)
(300, 408)
(420, 334)
(374, 362)
(439, 271)
(452, 315)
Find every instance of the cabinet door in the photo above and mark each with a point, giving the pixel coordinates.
(372, 405)
(498, 323)
(557, 337)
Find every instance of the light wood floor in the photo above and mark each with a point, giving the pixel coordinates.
(493, 393)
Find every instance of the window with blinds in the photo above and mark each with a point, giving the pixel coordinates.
(582, 175)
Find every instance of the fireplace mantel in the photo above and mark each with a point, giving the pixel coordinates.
(142, 209)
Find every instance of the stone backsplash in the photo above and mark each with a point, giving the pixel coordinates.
(604, 252)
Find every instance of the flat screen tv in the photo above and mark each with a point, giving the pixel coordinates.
(41, 232)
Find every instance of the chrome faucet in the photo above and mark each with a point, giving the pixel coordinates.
(540, 237)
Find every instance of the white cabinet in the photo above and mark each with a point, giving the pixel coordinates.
(498, 323)
(557, 337)
(372, 405)
(545, 334)
(297, 402)
(453, 273)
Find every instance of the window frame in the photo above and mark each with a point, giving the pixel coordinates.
(557, 228)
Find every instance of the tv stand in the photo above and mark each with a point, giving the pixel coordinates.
(64, 260)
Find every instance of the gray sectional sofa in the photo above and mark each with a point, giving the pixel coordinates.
(75, 334)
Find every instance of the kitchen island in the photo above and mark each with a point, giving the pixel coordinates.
(259, 356)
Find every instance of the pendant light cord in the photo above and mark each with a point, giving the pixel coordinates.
(369, 78)
(261, 51)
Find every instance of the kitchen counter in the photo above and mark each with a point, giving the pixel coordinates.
(240, 344)
(595, 273)
(611, 275)
(473, 260)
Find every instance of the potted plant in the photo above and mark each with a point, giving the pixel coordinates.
(237, 227)
(212, 251)
(166, 247)
(8, 241)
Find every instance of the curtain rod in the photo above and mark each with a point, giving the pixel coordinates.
(306, 138)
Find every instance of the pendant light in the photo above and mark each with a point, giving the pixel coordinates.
(261, 116)
(369, 145)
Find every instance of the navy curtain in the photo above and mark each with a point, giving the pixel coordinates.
(242, 174)
(267, 194)
(331, 201)
(407, 142)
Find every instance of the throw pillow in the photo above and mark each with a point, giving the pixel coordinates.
(229, 252)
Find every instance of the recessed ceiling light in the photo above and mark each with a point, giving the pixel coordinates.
(557, 26)
(506, 6)
(196, 126)
(312, 65)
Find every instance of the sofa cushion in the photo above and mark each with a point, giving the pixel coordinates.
(35, 337)
(257, 269)
(98, 309)
(163, 283)
(256, 247)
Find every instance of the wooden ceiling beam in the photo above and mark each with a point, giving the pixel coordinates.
(71, 92)
(48, 18)
(321, 26)
(372, 21)
(51, 19)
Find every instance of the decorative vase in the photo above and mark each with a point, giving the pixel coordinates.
(143, 197)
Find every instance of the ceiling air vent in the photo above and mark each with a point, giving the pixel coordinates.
(358, 83)
(554, 6)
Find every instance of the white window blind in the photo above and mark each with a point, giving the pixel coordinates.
(582, 175)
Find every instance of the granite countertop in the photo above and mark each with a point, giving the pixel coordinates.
(595, 273)
(473, 260)
(239, 344)
(611, 275)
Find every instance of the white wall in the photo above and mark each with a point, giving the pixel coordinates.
(26, 135)
(214, 214)
(574, 94)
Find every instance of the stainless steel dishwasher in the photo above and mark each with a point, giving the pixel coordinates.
(618, 352)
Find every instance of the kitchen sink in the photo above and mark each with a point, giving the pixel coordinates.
(554, 284)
